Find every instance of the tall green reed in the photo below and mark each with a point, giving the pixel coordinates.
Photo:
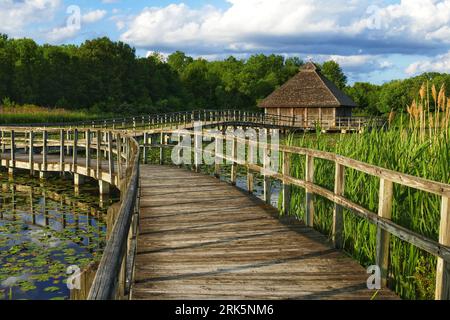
(418, 146)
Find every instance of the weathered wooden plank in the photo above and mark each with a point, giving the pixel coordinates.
(286, 188)
(309, 205)
(338, 217)
(443, 267)
(225, 244)
(383, 237)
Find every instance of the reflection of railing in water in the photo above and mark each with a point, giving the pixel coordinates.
(18, 203)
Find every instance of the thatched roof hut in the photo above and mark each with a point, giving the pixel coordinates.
(310, 96)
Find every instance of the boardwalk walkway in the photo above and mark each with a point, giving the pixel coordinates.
(201, 238)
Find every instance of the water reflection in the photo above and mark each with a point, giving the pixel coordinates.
(44, 229)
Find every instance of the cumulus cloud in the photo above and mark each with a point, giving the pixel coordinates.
(15, 15)
(70, 31)
(93, 16)
(316, 26)
(60, 34)
(440, 63)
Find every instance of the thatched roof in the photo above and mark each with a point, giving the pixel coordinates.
(308, 89)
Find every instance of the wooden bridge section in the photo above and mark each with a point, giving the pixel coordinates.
(179, 234)
(201, 238)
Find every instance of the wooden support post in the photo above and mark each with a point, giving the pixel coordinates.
(144, 154)
(103, 187)
(88, 150)
(338, 214)
(218, 153)
(31, 153)
(44, 154)
(234, 165)
(110, 155)
(68, 139)
(161, 150)
(250, 160)
(119, 158)
(383, 237)
(126, 144)
(12, 163)
(309, 208)
(61, 151)
(198, 138)
(75, 149)
(443, 267)
(78, 179)
(267, 180)
(99, 154)
(286, 186)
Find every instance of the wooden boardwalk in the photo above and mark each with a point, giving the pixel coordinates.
(201, 238)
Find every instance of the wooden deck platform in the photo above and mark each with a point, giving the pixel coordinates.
(201, 238)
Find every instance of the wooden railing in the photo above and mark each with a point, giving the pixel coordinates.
(185, 119)
(111, 157)
(121, 152)
(382, 219)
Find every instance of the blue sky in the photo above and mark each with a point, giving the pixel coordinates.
(373, 40)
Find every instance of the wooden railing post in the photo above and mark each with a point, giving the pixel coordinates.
(443, 267)
(286, 170)
(44, 151)
(266, 163)
(61, 151)
(119, 157)
(99, 153)
(75, 150)
(144, 154)
(309, 177)
(218, 155)
(110, 155)
(197, 149)
(383, 237)
(161, 150)
(338, 214)
(88, 150)
(250, 161)
(13, 151)
(234, 160)
(31, 153)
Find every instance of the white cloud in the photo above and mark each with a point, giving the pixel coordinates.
(315, 26)
(93, 16)
(440, 63)
(16, 15)
(61, 34)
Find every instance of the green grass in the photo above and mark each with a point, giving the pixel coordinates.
(30, 114)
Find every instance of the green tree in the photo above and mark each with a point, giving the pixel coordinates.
(333, 71)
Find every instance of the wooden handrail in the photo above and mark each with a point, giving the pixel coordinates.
(107, 283)
(382, 219)
(115, 272)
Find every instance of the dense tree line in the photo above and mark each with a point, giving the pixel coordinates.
(106, 76)
(395, 95)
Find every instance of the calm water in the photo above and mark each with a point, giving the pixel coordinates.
(44, 229)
